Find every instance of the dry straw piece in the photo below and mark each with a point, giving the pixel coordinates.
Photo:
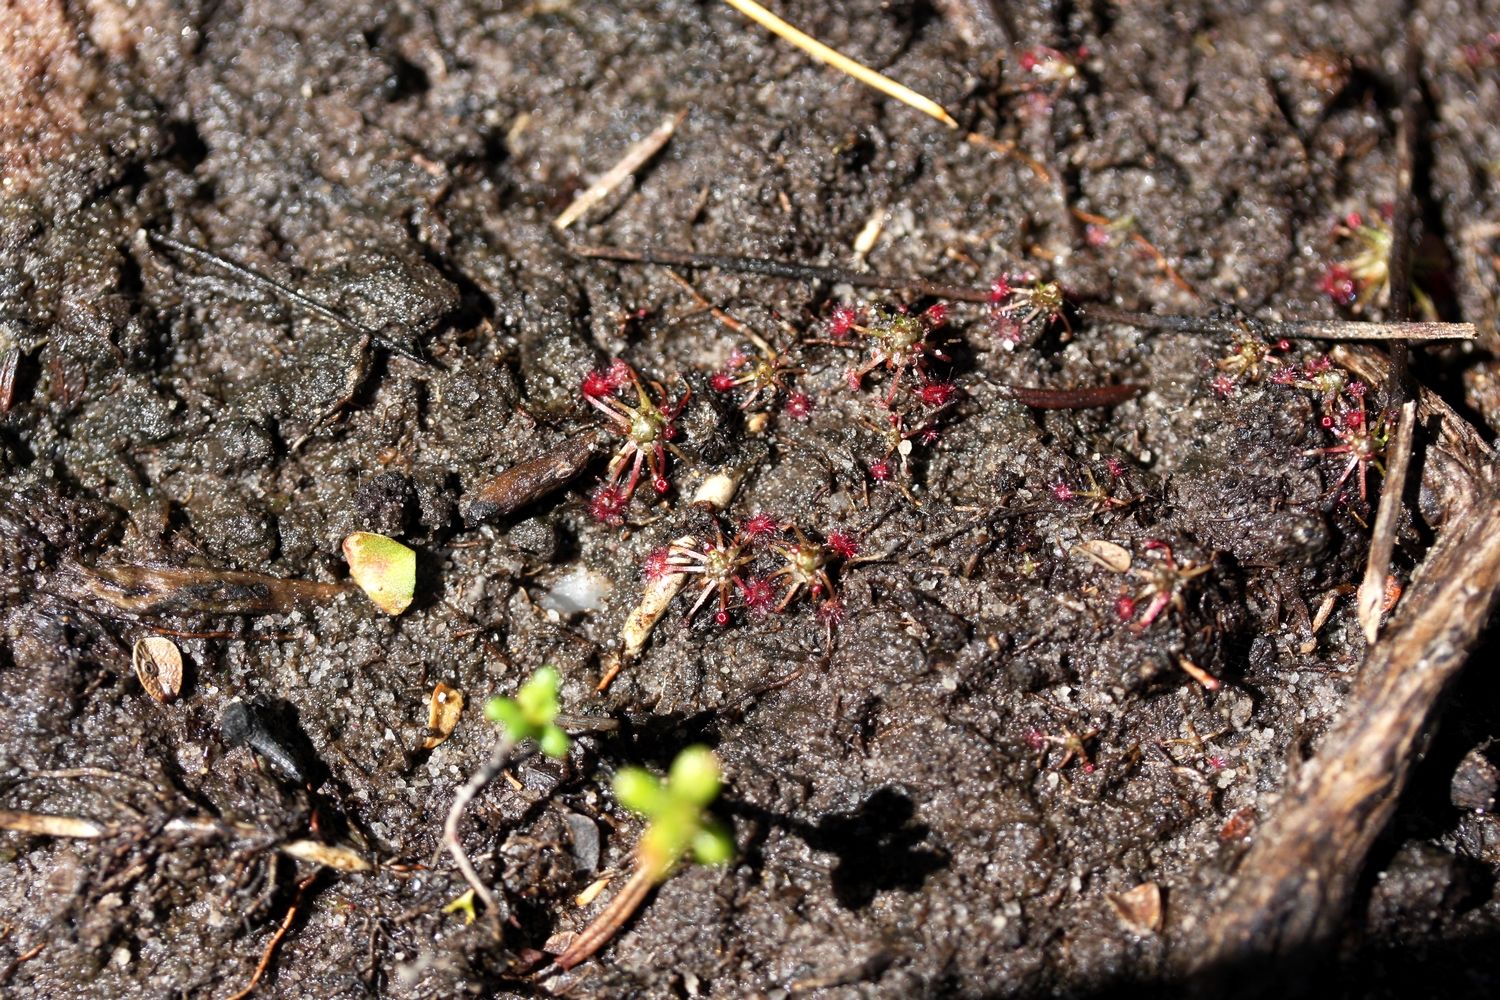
(841, 62)
(635, 157)
(158, 664)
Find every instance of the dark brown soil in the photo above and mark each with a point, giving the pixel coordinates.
(909, 822)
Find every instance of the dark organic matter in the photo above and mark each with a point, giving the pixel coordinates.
(994, 709)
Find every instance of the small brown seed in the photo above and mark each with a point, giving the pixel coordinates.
(1139, 908)
(442, 714)
(158, 664)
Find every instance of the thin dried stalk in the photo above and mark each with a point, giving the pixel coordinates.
(286, 925)
(610, 919)
(635, 157)
(1397, 388)
(50, 825)
(841, 62)
(344, 859)
(461, 800)
(394, 338)
(1371, 595)
(1305, 329)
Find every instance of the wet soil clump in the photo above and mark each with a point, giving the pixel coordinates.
(946, 771)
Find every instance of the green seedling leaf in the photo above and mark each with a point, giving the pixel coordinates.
(714, 845)
(463, 906)
(383, 568)
(695, 776)
(675, 811)
(554, 742)
(639, 790)
(529, 715)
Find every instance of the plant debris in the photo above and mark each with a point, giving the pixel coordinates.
(158, 666)
(150, 590)
(443, 710)
(383, 568)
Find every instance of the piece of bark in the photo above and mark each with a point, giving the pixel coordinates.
(527, 482)
(1292, 889)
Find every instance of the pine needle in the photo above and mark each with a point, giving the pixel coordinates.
(839, 61)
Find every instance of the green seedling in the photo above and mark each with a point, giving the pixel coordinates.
(677, 826)
(463, 906)
(385, 570)
(527, 716)
(530, 714)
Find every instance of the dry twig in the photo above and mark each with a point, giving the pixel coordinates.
(1371, 594)
(344, 859)
(461, 800)
(1198, 325)
(1397, 386)
(196, 590)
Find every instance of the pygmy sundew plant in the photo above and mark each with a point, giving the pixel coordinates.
(1249, 360)
(723, 567)
(1020, 304)
(764, 374)
(677, 825)
(1075, 746)
(1165, 581)
(720, 566)
(1361, 438)
(528, 716)
(1320, 375)
(898, 341)
(806, 565)
(1093, 498)
(898, 438)
(1365, 278)
(648, 427)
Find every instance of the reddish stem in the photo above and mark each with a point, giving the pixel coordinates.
(603, 927)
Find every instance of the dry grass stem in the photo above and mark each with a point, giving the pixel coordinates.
(841, 62)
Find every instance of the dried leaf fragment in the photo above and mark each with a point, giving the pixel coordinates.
(152, 590)
(527, 482)
(442, 714)
(1138, 908)
(158, 665)
(1113, 557)
(383, 568)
